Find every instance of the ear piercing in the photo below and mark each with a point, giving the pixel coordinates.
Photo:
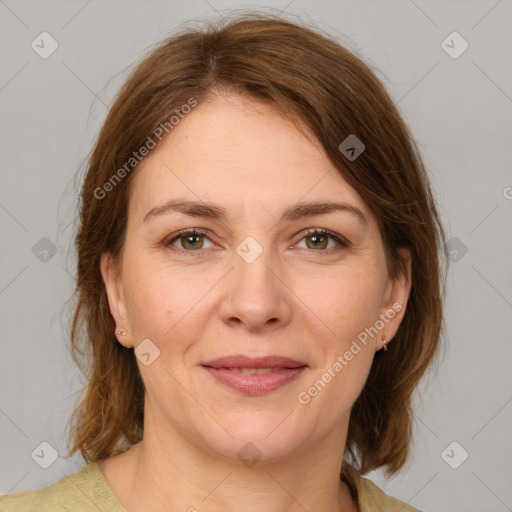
(121, 332)
(384, 341)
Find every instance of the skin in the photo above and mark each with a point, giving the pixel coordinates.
(297, 299)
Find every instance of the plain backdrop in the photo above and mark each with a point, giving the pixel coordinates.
(459, 108)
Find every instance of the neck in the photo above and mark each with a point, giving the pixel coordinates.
(167, 471)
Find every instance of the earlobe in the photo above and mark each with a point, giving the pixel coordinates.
(115, 296)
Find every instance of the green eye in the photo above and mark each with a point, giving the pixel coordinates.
(319, 240)
(189, 240)
(316, 239)
(192, 241)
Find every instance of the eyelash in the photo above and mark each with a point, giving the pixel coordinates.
(309, 232)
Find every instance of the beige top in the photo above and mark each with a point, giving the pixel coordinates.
(88, 491)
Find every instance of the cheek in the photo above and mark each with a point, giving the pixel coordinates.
(345, 354)
(348, 302)
(348, 306)
(161, 300)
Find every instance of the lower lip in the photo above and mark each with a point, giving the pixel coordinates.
(255, 384)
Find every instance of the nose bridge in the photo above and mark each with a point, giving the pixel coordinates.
(252, 265)
(254, 294)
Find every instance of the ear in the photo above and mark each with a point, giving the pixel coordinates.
(116, 300)
(395, 299)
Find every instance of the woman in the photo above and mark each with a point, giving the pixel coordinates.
(259, 282)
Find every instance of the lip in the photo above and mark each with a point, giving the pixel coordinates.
(240, 361)
(287, 370)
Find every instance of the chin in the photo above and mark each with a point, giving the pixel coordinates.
(256, 436)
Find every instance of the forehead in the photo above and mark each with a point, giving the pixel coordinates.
(243, 154)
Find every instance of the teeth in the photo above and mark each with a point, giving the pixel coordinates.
(257, 371)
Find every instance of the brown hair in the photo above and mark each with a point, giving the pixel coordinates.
(313, 80)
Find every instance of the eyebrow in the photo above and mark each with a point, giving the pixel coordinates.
(293, 212)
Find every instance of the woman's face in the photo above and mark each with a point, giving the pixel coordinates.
(254, 281)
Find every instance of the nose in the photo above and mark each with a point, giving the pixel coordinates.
(255, 295)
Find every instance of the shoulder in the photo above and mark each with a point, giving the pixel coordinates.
(84, 490)
(371, 497)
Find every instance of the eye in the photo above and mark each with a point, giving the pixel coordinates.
(319, 239)
(188, 240)
(193, 241)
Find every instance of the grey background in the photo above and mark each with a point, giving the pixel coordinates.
(460, 110)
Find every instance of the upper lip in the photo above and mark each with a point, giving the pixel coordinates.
(240, 361)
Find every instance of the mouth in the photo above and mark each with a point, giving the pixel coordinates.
(254, 376)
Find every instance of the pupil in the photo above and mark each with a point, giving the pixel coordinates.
(192, 240)
(318, 240)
